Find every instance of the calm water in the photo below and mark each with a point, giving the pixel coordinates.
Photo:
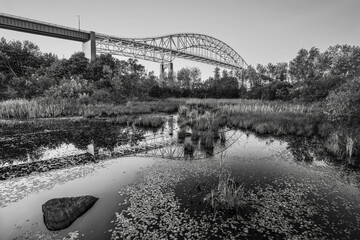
(291, 188)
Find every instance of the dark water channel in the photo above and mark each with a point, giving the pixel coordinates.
(292, 189)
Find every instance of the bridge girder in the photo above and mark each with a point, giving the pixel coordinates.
(164, 49)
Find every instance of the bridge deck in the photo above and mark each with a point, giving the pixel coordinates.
(41, 28)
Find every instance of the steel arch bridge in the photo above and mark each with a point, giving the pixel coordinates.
(164, 49)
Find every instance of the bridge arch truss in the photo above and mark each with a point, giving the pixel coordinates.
(164, 49)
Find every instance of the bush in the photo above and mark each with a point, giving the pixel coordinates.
(102, 96)
(343, 104)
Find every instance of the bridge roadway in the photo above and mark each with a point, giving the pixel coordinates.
(162, 49)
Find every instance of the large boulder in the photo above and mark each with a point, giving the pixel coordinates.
(59, 213)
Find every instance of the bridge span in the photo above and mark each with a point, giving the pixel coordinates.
(162, 49)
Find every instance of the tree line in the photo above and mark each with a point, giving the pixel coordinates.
(26, 72)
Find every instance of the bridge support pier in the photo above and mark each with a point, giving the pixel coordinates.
(164, 66)
(89, 47)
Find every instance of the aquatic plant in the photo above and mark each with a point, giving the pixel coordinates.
(206, 140)
(193, 114)
(203, 123)
(332, 144)
(150, 121)
(183, 110)
(222, 138)
(189, 149)
(227, 195)
(181, 134)
(194, 134)
(171, 125)
(349, 146)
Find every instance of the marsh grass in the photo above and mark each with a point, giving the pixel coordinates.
(249, 105)
(264, 117)
(268, 117)
(222, 138)
(227, 194)
(183, 110)
(349, 146)
(41, 108)
(207, 140)
(49, 108)
(181, 134)
(195, 134)
(189, 150)
(274, 120)
(150, 121)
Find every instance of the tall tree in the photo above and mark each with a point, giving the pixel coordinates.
(304, 66)
(195, 75)
(77, 64)
(217, 73)
(184, 79)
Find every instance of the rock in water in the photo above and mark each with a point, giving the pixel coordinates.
(59, 213)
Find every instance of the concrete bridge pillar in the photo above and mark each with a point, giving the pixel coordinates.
(89, 47)
(164, 66)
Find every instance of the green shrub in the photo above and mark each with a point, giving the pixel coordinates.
(343, 104)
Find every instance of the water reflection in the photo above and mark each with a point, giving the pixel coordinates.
(43, 140)
(63, 138)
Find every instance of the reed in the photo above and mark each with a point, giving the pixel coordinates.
(181, 134)
(47, 107)
(183, 111)
(195, 134)
(227, 194)
(189, 150)
(150, 121)
(207, 140)
(246, 105)
(222, 138)
(41, 108)
(349, 146)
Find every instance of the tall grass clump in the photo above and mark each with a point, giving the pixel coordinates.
(183, 111)
(195, 134)
(181, 134)
(227, 194)
(207, 140)
(189, 150)
(150, 121)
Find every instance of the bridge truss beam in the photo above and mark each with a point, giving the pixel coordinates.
(164, 49)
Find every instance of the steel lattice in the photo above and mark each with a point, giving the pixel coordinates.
(165, 49)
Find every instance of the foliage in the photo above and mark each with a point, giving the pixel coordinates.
(69, 89)
(343, 104)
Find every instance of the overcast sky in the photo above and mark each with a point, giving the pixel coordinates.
(261, 31)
